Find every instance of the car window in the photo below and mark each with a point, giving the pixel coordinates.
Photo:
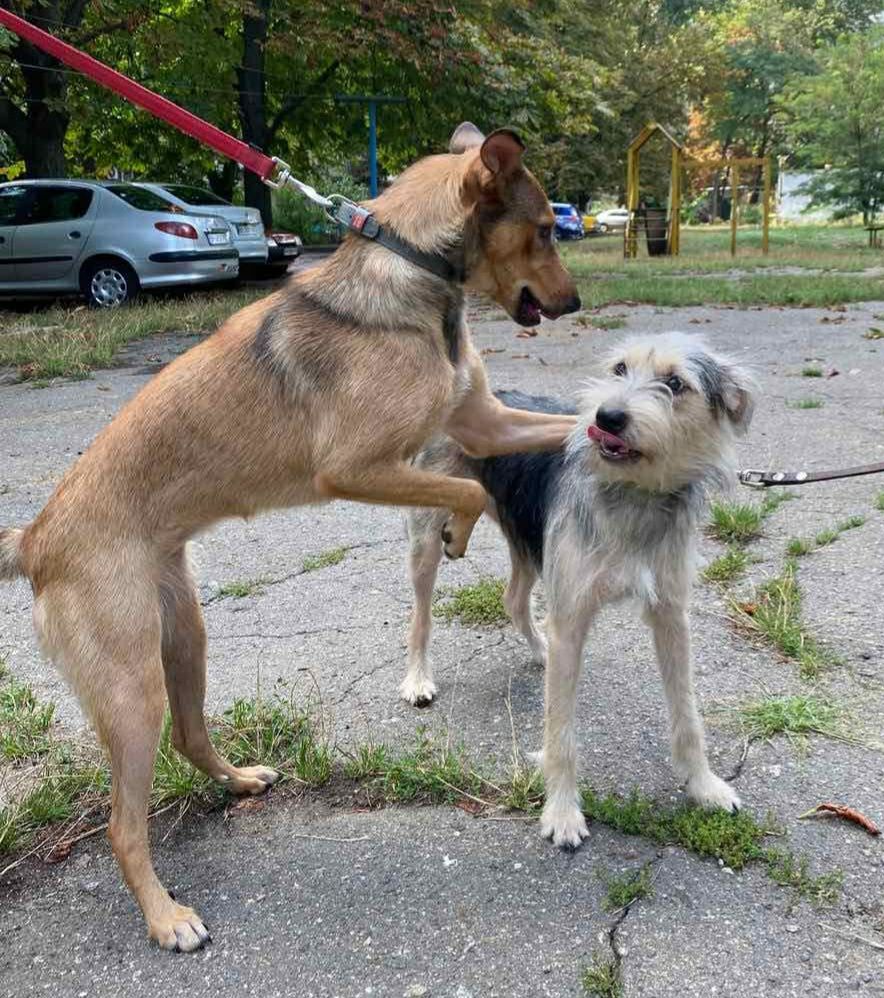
(562, 209)
(12, 200)
(57, 204)
(193, 195)
(142, 199)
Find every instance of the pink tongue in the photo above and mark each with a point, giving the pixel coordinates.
(603, 437)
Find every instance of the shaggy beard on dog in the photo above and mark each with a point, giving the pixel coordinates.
(615, 515)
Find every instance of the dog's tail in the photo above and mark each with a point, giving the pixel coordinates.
(10, 553)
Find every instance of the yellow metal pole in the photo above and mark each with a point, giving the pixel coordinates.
(765, 231)
(630, 247)
(675, 202)
(735, 190)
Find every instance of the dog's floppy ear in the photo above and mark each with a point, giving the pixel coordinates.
(502, 152)
(466, 136)
(738, 394)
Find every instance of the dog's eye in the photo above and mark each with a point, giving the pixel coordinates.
(620, 369)
(545, 233)
(675, 384)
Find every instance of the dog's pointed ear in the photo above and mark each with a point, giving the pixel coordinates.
(738, 392)
(466, 136)
(502, 152)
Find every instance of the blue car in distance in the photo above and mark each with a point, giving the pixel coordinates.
(569, 222)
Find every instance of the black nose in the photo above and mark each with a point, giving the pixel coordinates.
(572, 306)
(611, 420)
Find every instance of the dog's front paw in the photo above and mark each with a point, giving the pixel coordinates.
(179, 929)
(709, 790)
(564, 824)
(456, 535)
(539, 652)
(417, 690)
(252, 780)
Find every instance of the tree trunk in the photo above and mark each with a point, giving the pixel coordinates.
(223, 180)
(253, 100)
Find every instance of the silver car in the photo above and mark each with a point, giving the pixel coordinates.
(245, 223)
(105, 239)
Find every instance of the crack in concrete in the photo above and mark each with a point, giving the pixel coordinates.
(263, 583)
(305, 632)
(618, 952)
(737, 771)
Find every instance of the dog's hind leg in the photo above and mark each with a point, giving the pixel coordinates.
(562, 817)
(424, 530)
(106, 638)
(672, 643)
(517, 601)
(184, 666)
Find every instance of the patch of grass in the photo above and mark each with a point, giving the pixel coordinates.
(797, 547)
(811, 372)
(773, 499)
(477, 604)
(879, 501)
(66, 341)
(728, 566)
(735, 523)
(431, 772)
(601, 978)
(602, 321)
(793, 716)
(523, 790)
(828, 536)
(242, 588)
(621, 892)
(851, 523)
(24, 722)
(806, 404)
(64, 786)
(275, 733)
(775, 614)
(874, 333)
(734, 838)
(312, 563)
(367, 761)
(787, 870)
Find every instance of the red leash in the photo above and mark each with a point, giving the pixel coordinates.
(184, 121)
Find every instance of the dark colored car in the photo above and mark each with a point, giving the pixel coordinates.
(282, 248)
(569, 222)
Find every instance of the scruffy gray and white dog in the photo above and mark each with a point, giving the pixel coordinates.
(614, 515)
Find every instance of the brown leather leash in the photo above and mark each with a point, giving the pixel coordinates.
(754, 478)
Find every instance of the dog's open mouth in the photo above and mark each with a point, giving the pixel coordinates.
(530, 309)
(611, 447)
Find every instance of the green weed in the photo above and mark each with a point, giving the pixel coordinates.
(602, 979)
(828, 536)
(727, 567)
(325, 559)
(478, 604)
(797, 547)
(621, 892)
(785, 869)
(811, 372)
(367, 761)
(793, 716)
(24, 723)
(806, 404)
(242, 588)
(735, 522)
(874, 334)
(879, 501)
(431, 771)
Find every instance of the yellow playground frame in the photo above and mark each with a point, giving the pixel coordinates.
(679, 163)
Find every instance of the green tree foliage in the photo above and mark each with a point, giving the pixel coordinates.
(835, 119)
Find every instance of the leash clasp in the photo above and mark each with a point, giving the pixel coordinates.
(354, 217)
(752, 478)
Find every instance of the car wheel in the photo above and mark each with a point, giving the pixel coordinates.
(108, 283)
(603, 227)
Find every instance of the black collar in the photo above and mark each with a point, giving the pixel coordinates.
(363, 223)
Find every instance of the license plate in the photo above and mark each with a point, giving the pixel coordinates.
(290, 251)
(251, 229)
(217, 238)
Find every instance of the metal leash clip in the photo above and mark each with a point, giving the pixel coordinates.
(752, 478)
(354, 217)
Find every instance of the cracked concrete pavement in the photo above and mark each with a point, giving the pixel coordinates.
(431, 901)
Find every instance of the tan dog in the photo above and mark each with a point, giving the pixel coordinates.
(324, 390)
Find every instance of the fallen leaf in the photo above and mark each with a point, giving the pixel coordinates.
(248, 804)
(519, 356)
(487, 350)
(848, 813)
(470, 806)
(833, 373)
(526, 334)
(748, 608)
(59, 852)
